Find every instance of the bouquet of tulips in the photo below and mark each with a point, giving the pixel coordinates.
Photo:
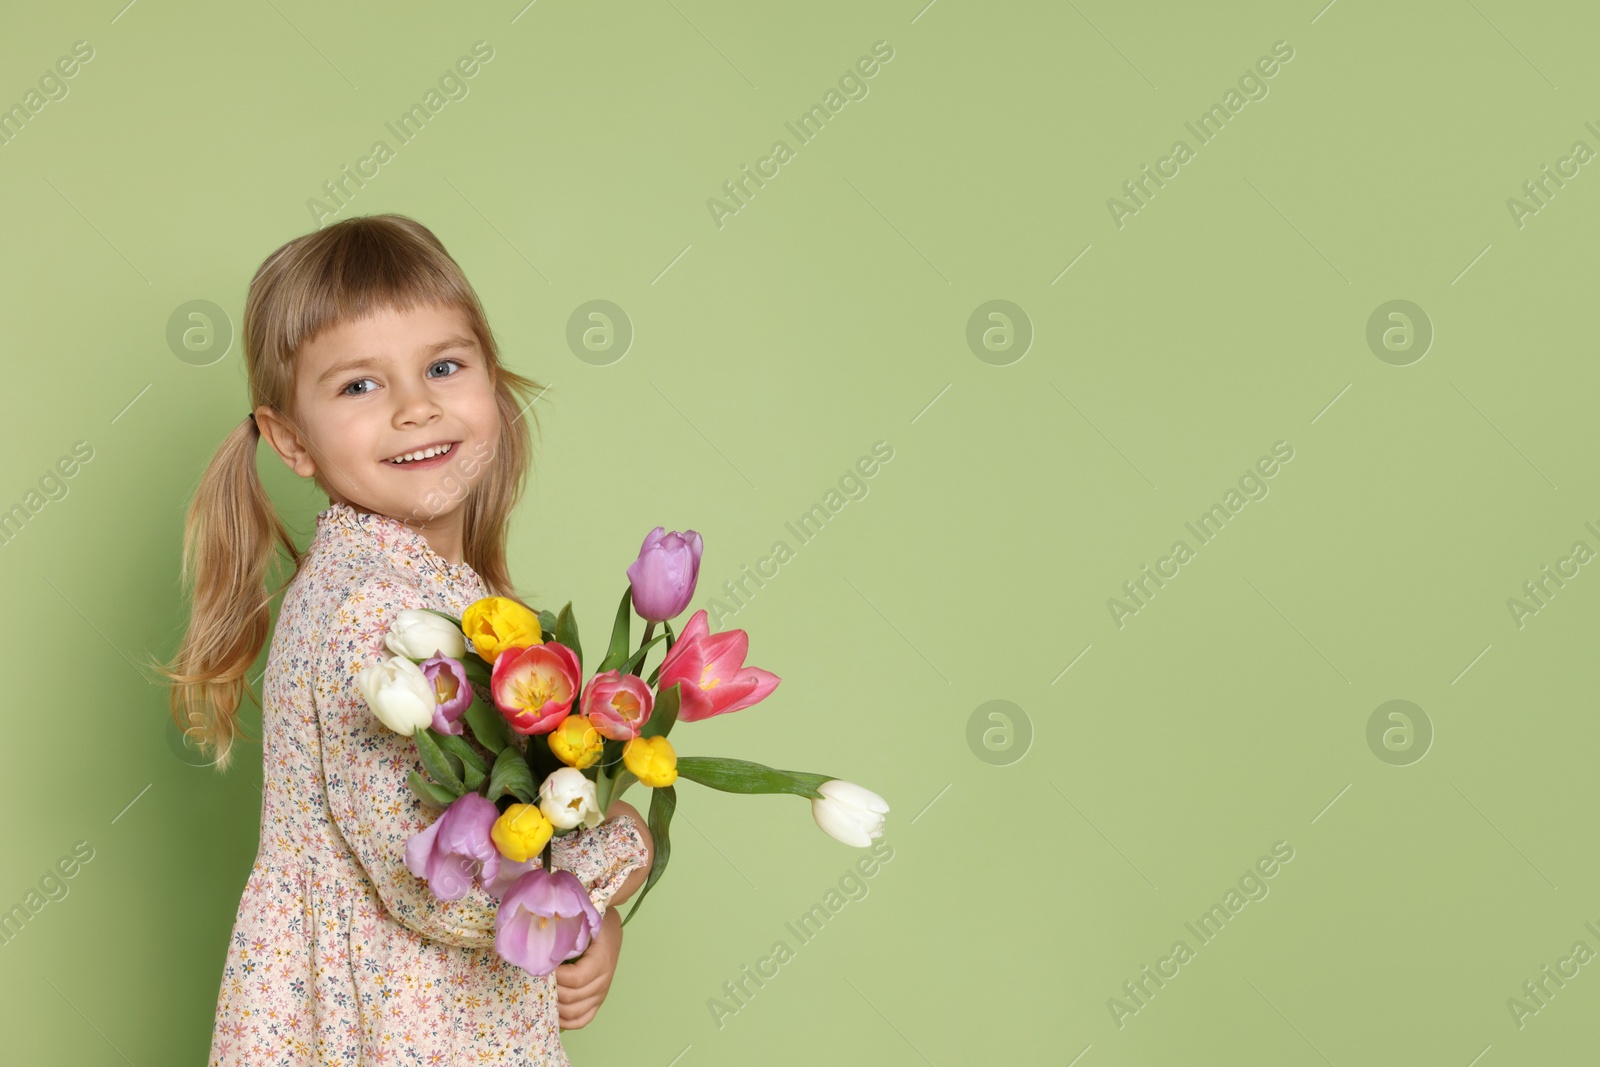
(587, 741)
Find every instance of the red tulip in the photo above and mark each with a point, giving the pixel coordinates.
(711, 668)
(534, 687)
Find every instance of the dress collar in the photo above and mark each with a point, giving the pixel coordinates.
(403, 545)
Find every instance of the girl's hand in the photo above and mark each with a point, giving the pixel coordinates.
(582, 984)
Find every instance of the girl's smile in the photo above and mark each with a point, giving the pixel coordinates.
(425, 457)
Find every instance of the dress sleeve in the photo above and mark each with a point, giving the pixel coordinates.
(365, 765)
(602, 856)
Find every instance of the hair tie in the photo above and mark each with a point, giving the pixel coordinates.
(252, 417)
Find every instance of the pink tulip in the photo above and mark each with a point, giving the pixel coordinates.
(711, 668)
(546, 917)
(664, 575)
(534, 687)
(618, 705)
(448, 680)
(454, 846)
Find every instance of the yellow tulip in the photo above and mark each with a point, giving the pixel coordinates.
(651, 760)
(575, 742)
(497, 623)
(521, 832)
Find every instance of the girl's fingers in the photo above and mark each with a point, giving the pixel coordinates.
(577, 975)
(583, 976)
(594, 989)
(577, 1015)
(577, 994)
(573, 1000)
(579, 981)
(583, 970)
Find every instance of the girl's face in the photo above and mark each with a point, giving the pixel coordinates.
(392, 384)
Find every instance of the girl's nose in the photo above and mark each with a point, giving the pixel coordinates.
(415, 405)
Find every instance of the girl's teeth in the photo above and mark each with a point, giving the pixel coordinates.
(424, 454)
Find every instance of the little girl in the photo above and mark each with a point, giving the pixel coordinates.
(372, 371)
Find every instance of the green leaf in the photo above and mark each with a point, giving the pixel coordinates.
(625, 778)
(631, 664)
(487, 725)
(664, 714)
(610, 756)
(567, 632)
(456, 745)
(478, 670)
(436, 762)
(663, 802)
(510, 775)
(435, 796)
(742, 776)
(541, 761)
(547, 623)
(613, 778)
(620, 634)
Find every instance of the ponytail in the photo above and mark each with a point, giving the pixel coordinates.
(229, 539)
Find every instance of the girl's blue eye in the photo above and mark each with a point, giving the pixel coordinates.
(346, 391)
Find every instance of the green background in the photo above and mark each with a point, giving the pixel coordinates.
(830, 313)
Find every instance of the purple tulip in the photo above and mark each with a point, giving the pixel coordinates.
(546, 917)
(510, 871)
(445, 853)
(447, 679)
(663, 576)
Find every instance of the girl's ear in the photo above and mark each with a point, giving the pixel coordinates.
(280, 433)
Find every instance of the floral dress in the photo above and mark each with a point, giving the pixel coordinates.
(340, 955)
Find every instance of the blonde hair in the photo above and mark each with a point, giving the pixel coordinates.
(232, 532)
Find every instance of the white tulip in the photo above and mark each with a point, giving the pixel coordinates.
(399, 694)
(567, 798)
(848, 812)
(423, 635)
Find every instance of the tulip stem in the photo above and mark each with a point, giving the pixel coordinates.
(649, 629)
